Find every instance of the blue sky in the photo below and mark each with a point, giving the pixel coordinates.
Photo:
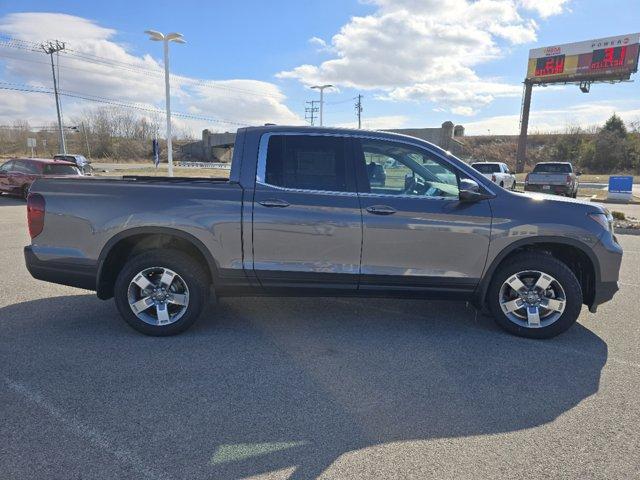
(417, 63)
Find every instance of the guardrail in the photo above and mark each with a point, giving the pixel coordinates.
(218, 165)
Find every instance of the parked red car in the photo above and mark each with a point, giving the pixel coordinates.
(17, 175)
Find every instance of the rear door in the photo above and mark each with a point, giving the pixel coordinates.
(307, 229)
(416, 232)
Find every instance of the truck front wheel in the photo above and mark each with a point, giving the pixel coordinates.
(535, 295)
(161, 292)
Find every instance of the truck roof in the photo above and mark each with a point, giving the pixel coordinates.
(337, 131)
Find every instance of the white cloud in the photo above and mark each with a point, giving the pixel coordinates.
(378, 123)
(141, 80)
(464, 111)
(545, 8)
(426, 50)
(584, 115)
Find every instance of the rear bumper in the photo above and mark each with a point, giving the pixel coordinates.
(69, 273)
(557, 189)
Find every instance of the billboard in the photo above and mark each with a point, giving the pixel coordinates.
(612, 58)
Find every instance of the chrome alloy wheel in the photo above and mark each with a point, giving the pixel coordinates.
(532, 299)
(158, 296)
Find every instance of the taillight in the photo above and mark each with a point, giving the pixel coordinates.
(568, 179)
(35, 214)
(493, 178)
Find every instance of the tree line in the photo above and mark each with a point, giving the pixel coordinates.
(102, 133)
(611, 148)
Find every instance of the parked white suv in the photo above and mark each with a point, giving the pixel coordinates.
(497, 172)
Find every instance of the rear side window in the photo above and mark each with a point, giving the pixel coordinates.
(24, 167)
(552, 168)
(308, 162)
(487, 167)
(53, 169)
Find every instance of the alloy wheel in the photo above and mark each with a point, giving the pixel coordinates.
(158, 296)
(532, 299)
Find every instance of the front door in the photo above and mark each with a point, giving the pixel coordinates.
(417, 234)
(307, 228)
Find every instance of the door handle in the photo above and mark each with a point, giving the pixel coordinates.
(274, 203)
(381, 210)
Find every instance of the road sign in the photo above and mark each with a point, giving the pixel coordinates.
(620, 188)
(31, 143)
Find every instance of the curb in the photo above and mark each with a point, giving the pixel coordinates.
(626, 231)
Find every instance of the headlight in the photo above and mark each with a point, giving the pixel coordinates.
(604, 219)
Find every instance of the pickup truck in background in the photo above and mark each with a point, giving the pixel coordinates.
(300, 215)
(79, 160)
(553, 177)
(497, 172)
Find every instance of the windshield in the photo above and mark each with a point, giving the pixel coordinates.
(487, 167)
(58, 169)
(552, 168)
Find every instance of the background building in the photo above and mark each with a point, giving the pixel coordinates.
(218, 147)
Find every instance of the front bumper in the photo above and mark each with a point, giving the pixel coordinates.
(609, 255)
(73, 274)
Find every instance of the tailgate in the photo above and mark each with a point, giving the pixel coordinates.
(548, 178)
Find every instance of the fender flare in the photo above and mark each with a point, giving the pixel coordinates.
(483, 286)
(113, 241)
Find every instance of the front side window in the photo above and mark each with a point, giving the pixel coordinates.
(6, 167)
(399, 169)
(308, 162)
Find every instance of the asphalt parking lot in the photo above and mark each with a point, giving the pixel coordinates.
(310, 388)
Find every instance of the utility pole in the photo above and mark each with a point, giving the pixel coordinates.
(86, 139)
(359, 110)
(521, 153)
(322, 88)
(50, 48)
(310, 111)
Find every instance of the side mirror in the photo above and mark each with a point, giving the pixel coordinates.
(470, 191)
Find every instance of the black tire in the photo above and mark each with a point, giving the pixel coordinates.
(25, 191)
(186, 267)
(502, 184)
(544, 263)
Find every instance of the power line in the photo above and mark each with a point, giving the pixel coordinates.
(112, 102)
(153, 72)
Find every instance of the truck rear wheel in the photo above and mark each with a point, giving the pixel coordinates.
(161, 292)
(535, 295)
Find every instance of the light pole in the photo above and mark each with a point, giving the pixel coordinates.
(169, 37)
(321, 88)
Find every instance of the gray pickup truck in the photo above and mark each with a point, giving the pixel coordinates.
(553, 177)
(300, 215)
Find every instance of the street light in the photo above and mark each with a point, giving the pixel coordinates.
(321, 88)
(169, 37)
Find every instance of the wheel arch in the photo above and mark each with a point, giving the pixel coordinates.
(585, 264)
(122, 246)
